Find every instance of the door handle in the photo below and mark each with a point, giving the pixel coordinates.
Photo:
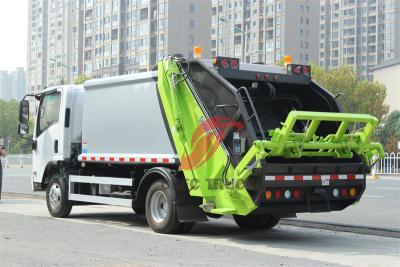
(56, 146)
(34, 144)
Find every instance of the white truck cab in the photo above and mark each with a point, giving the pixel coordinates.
(57, 124)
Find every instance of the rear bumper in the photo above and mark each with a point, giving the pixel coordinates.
(316, 195)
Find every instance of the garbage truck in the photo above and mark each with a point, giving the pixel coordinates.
(198, 139)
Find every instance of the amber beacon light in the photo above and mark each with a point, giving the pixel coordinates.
(197, 51)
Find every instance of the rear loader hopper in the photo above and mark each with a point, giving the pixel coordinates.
(279, 142)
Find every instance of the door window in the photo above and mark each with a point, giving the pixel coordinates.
(49, 111)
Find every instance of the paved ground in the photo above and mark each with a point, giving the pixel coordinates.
(113, 236)
(379, 207)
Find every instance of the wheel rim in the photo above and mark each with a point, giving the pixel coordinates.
(158, 206)
(55, 196)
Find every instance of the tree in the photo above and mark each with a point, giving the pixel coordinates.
(9, 112)
(81, 79)
(363, 96)
(389, 134)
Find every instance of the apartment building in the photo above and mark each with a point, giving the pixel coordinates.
(121, 37)
(57, 70)
(101, 38)
(37, 45)
(13, 84)
(266, 30)
(18, 83)
(5, 91)
(359, 33)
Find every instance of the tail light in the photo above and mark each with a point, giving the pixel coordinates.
(278, 194)
(344, 192)
(335, 192)
(234, 63)
(226, 62)
(352, 192)
(288, 194)
(268, 195)
(307, 70)
(299, 69)
(297, 194)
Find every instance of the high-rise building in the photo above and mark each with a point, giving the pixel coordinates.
(18, 83)
(122, 37)
(101, 38)
(58, 72)
(13, 84)
(266, 30)
(5, 90)
(37, 45)
(359, 33)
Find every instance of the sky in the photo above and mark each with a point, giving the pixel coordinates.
(13, 32)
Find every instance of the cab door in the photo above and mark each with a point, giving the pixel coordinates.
(46, 147)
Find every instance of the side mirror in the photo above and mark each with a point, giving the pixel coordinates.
(24, 112)
(23, 128)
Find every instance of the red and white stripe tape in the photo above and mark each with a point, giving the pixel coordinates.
(129, 159)
(331, 177)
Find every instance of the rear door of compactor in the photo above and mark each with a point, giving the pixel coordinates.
(247, 106)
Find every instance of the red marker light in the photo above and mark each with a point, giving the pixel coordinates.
(234, 64)
(297, 70)
(344, 192)
(225, 63)
(275, 77)
(296, 194)
(257, 76)
(278, 194)
(306, 70)
(266, 77)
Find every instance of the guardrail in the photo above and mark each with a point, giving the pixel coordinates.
(390, 164)
(20, 160)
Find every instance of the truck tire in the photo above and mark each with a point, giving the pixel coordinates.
(161, 213)
(57, 197)
(256, 222)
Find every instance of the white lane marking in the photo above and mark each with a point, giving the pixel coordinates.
(388, 188)
(373, 196)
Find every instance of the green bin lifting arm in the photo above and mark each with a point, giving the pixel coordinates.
(288, 144)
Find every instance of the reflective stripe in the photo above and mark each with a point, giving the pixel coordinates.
(332, 177)
(130, 158)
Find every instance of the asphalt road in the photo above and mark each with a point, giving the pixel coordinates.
(113, 236)
(379, 207)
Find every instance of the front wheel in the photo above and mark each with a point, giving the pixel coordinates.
(57, 197)
(256, 222)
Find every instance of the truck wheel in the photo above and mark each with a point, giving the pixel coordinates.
(256, 222)
(57, 197)
(160, 210)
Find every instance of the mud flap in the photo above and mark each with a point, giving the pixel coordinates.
(190, 213)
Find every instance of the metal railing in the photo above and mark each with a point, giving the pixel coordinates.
(20, 160)
(390, 164)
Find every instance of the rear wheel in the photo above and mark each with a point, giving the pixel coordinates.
(57, 197)
(161, 213)
(256, 222)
